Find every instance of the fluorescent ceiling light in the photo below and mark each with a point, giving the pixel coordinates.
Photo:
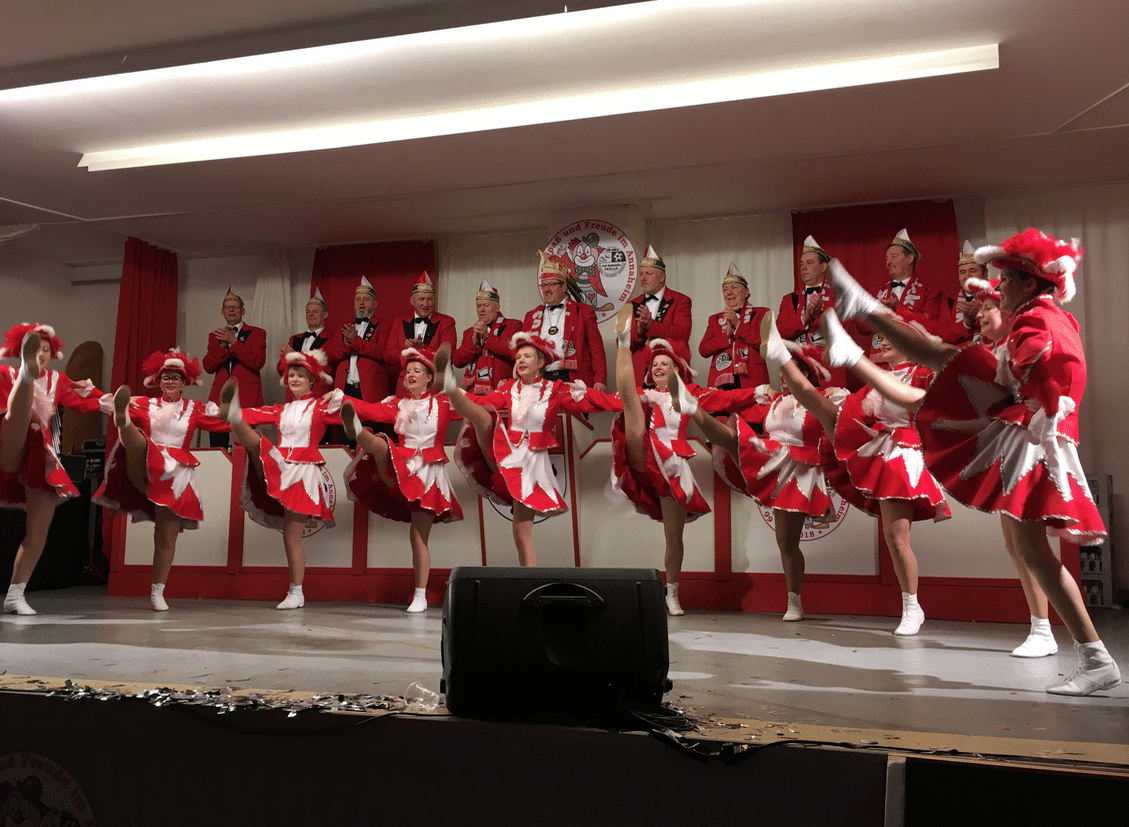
(556, 109)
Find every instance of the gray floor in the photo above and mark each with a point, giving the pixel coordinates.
(848, 671)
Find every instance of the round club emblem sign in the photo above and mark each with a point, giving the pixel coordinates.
(603, 262)
(815, 528)
(34, 790)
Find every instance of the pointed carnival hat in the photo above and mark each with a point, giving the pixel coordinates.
(318, 300)
(365, 287)
(652, 259)
(423, 284)
(810, 246)
(1039, 254)
(967, 255)
(733, 276)
(902, 240)
(487, 292)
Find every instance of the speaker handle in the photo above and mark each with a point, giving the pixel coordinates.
(583, 597)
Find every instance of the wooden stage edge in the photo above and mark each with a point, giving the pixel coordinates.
(1106, 759)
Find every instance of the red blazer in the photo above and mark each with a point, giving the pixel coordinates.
(243, 360)
(953, 330)
(789, 320)
(319, 388)
(919, 302)
(737, 360)
(672, 322)
(369, 349)
(490, 364)
(584, 349)
(440, 330)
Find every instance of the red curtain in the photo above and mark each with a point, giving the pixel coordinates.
(147, 302)
(859, 236)
(391, 267)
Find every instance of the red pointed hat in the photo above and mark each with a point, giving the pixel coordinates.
(14, 341)
(547, 348)
(1039, 254)
(423, 284)
(171, 359)
(312, 360)
(553, 268)
(662, 347)
(410, 354)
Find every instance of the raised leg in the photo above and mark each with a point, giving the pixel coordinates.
(13, 429)
(634, 420)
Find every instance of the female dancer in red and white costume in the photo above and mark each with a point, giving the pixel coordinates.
(284, 486)
(1000, 429)
(31, 476)
(509, 463)
(651, 460)
(151, 474)
(408, 481)
(781, 470)
(878, 465)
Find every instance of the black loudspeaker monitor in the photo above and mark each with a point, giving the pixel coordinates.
(574, 642)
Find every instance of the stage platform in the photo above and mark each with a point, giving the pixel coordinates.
(863, 725)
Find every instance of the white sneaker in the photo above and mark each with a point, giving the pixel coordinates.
(16, 605)
(795, 609)
(912, 618)
(1037, 645)
(842, 350)
(157, 600)
(1095, 672)
(418, 604)
(293, 600)
(850, 298)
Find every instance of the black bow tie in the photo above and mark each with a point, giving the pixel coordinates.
(421, 320)
(897, 284)
(554, 307)
(650, 299)
(309, 334)
(811, 290)
(360, 320)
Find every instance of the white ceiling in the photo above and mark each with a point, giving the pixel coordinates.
(1055, 113)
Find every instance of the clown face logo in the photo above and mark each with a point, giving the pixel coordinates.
(603, 263)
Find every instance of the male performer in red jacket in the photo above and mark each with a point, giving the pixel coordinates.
(733, 337)
(801, 310)
(569, 324)
(358, 350)
(238, 350)
(958, 325)
(313, 338)
(425, 329)
(906, 294)
(660, 313)
(485, 347)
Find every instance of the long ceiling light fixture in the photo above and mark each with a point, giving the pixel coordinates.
(508, 74)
